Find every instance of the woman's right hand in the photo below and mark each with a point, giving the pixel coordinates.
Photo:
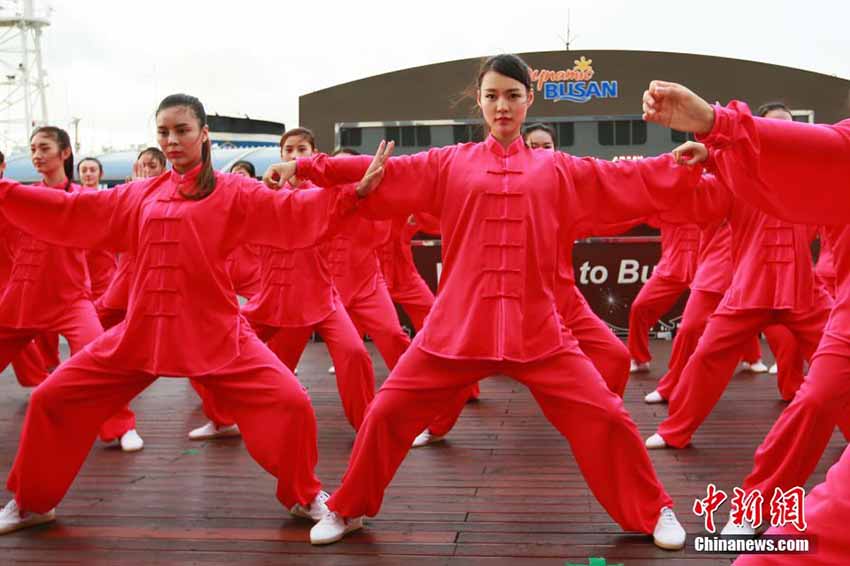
(690, 153)
(278, 174)
(372, 178)
(676, 106)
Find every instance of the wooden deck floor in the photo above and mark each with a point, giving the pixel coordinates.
(503, 489)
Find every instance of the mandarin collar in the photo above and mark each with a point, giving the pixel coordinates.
(493, 145)
(187, 177)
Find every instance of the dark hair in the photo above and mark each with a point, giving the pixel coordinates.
(95, 159)
(154, 152)
(246, 165)
(2, 158)
(345, 151)
(509, 65)
(63, 140)
(770, 106)
(205, 183)
(301, 133)
(539, 127)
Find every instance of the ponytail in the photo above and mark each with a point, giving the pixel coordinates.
(205, 182)
(69, 170)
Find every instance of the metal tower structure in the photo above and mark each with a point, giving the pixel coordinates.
(23, 102)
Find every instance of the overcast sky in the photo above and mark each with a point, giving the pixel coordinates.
(110, 62)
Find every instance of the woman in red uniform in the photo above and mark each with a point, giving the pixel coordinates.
(798, 172)
(31, 365)
(49, 289)
(595, 339)
(670, 278)
(298, 297)
(712, 279)
(773, 283)
(183, 317)
(503, 211)
(353, 256)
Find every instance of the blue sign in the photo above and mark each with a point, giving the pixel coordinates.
(580, 91)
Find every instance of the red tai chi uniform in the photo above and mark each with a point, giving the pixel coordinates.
(800, 172)
(49, 292)
(670, 278)
(503, 213)
(297, 297)
(353, 259)
(183, 319)
(773, 283)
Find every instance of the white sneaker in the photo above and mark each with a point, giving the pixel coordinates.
(744, 529)
(425, 438)
(668, 533)
(209, 431)
(13, 519)
(332, 528)
(638, 367)
(332, 370)
(315, 511)
(654, 397)
(774, 369)
(755, 367)
(131, 441)
(655, 441)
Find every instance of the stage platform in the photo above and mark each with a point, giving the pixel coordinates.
(502, 490)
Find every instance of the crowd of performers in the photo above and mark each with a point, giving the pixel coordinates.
(143, 282)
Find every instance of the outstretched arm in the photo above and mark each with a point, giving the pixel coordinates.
(798, 172)
(616, 192)
(791, 170)
(96, 219)
(390, 186)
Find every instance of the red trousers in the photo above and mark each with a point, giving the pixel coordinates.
(273, 412)
(29, 365)
(655, 298)
(796, 442)
(79, 326)
(415, 297)
(355, 376)
(373, 313)
(700, 306)
(788, 357)
(606, 352)
(827, 514)
(569, 390)
(712, 365)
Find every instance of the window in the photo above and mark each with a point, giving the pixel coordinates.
(409, 136)
(566, 134)
(460, 133)
(464, 133)
(393, 133)
(622, 132)
(803, 116)
(605, 132)
(681, 137)
(423, 136)
(349, 137)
